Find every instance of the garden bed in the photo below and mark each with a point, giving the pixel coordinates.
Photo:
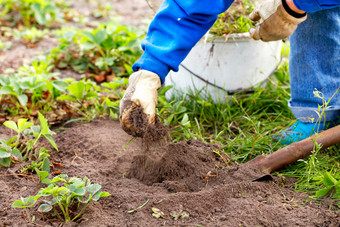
(181, 177)
(186, 183)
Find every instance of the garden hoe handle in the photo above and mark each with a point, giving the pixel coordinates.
(295, 151)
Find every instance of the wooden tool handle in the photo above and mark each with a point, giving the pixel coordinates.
(296, 151)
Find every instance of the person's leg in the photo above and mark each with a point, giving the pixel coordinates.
(314, 65)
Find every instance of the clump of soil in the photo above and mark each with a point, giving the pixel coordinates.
(186, 181)
(140, 127)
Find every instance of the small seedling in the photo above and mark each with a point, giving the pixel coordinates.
(157, 213)
(25, 203)
(141, 206)
(180, 214)
(8, 154)
(11, 149)
(332, 187)
(75, 191)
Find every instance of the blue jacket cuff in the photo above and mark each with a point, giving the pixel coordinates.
(148, 62)
(310, 6)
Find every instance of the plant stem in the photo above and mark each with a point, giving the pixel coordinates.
(55, 211)
(82, 210)
(62, 209)
(28, 215)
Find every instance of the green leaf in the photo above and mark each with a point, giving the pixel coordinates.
(60, 85)
(86, 198)
(60, 178)
(17, 155)
(67, 98)
(46, 165)
(45, 207)
(25, 202)
(79, 191)
(52, 142)
(185, 121)
(11, 125)
(47, 191)
(23, 124)
(99, 195)
(68, 35)
(4, 153)
(329, 180)
(6, 162)
(23, 99)
(39, 16)
(39, 84)
(46, 181)
(323, 192)
(42, 174)
(77, 89)
(43, 124)
(89, 36)
(19, 204)
(6, 90)
(99, 36)
(108, 43)
(94, 188)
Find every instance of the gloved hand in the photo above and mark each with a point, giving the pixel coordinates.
(142, 92)
(277, 22)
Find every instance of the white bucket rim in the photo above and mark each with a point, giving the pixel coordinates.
(228, 38)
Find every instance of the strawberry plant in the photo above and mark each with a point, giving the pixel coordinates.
(64, 194)
(106, 50)
(17, 149)
(25, 203)
(29, 12)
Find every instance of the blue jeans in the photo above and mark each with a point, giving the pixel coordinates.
(314, 64)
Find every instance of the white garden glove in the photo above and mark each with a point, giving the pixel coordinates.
(277, 20)
(142, 91)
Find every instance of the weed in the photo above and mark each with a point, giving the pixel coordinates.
(234, 20)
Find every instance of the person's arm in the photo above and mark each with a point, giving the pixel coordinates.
(176, 28)
(311, 6)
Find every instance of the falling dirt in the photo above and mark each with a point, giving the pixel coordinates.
(187, 181)
(139, 126)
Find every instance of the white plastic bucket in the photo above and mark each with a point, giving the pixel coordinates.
(222, 66)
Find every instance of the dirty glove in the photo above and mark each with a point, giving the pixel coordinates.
(277, 22)
(141, 92)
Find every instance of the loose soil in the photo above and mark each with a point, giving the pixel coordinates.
(186, 177)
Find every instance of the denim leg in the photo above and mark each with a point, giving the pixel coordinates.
(314, 64)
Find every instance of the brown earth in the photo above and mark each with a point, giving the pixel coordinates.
(185, 177)
(132, 12)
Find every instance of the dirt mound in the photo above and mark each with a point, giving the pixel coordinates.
(180, 167)
(187, 181)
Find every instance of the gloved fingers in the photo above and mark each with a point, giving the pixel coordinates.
(255, 32)
(255, 15)
(132, 123)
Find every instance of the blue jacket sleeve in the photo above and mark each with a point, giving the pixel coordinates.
(312, 6)
(176, 28)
